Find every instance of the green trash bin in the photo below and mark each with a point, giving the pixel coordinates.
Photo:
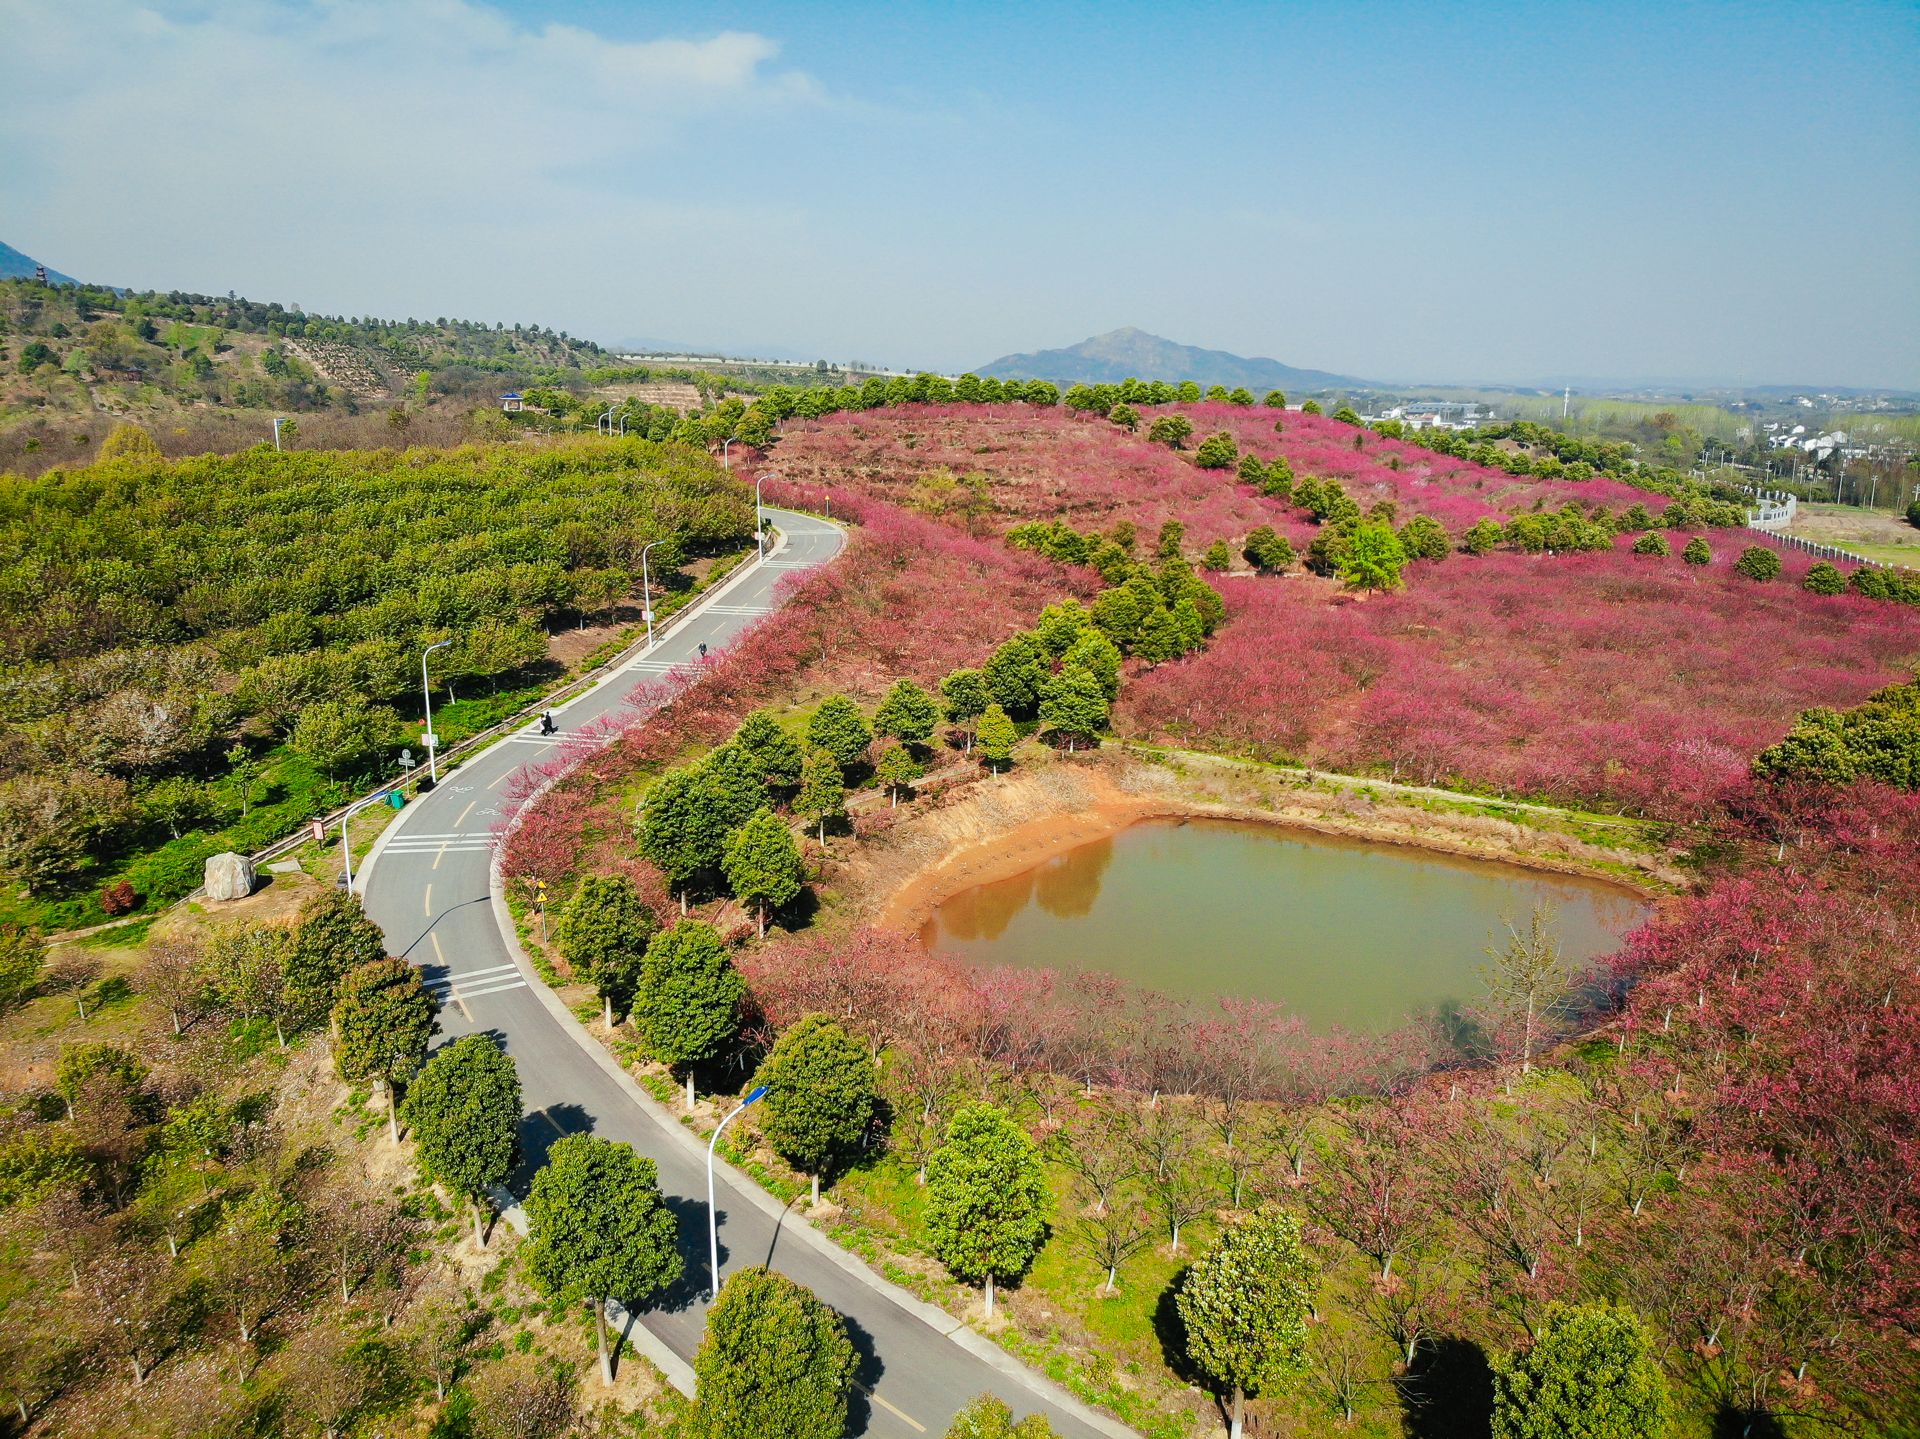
(397, 800)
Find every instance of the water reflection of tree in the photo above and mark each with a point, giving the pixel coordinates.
(1068, 886)
(983, 913)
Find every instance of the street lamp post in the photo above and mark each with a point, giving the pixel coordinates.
(430, 739)
(713, 1222)
(759, 516)
(346, 850)
(646, 591)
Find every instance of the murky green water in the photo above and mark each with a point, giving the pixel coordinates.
(1340, 931)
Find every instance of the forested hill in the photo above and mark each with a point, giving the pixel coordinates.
(395, 347)
(203, 372)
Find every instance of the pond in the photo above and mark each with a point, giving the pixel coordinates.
(1342, 932)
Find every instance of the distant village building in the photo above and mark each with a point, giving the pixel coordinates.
(1784, 437)
(1436, 415)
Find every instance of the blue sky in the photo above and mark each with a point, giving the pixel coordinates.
(1493, 192)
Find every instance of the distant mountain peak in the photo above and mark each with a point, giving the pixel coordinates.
(1130, 352)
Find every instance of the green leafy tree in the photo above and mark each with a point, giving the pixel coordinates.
(1482, 536)
(763, 865)
(967, 697)
(1099, 657)
(823, 789)
(1652, 543)
(1268, 551)
(989, 1418)
(908, 713)
(1824, 579)
(1347, 415)
(464, 1111)
(896, 770)
(1697, 552)
(1217, 452)
(603, 933)
(246, 969)
(80, 1064)
(986, 1209)
(1014, 673)
(1589, 1374)
(382, 1020)
(688, 1006)
(1244, 1306)
(1125, 416)
(1240, 395)
(1217, 558)
(1075, 704)
(1759, 563)
(841, 730)
(774, 1361)
(1373, 560)
(1311, 407)
(1172, 431)
(21, 959)
(1173, 534)
(770, 751)
(598, 1230)
(1060, 625)
(1187, 392)
(998, 736)
(670, 829)
(821, 1097)
(1275, 400)
(1423, 538)
(342, 736)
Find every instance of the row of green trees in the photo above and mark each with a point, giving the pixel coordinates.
(189, 639)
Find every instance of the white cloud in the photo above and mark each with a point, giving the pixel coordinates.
(372, 151)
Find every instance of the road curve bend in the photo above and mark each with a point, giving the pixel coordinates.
(428, 886)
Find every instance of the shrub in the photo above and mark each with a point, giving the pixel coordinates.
(118, 899)
(1481, 538)
(1218, 557)
(1652, 543)
(1217, 452)
(1697, 552)
(1758, 562)
(1423, 539)
(1590, 1372)
(1824, 579)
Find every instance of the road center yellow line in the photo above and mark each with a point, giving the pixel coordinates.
(903, 1418)
(438, 855)
(426, 901)
(465, 812)
(442, 959)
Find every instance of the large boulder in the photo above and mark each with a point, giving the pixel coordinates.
(229, 876)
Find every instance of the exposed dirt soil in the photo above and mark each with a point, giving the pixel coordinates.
(1877, 535)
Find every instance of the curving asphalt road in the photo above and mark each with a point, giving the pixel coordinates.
(428, 887)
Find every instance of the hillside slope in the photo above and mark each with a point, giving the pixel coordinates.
(14, 265)
(1126, 352)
